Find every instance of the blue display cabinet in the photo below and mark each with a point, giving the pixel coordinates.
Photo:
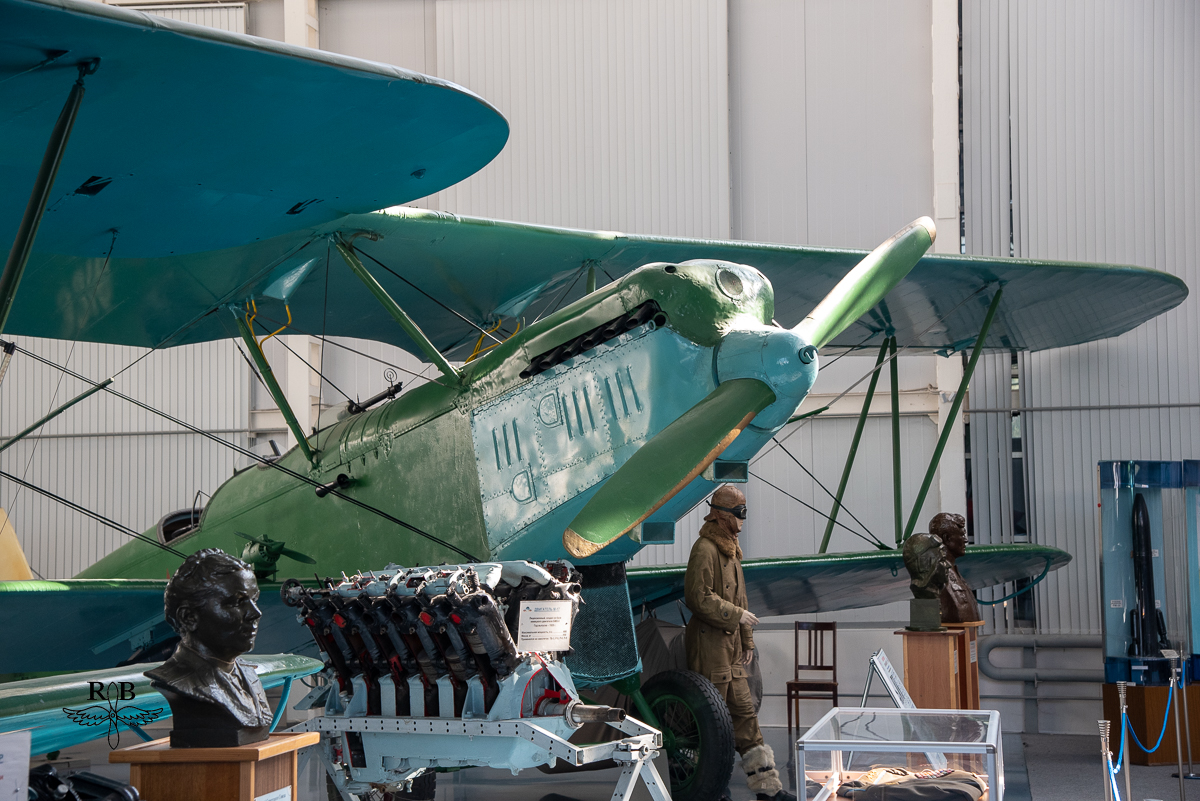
(1191, 504)
(1144, 567)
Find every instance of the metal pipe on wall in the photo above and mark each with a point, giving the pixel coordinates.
(990, 643)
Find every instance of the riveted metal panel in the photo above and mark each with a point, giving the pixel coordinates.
(574, 425)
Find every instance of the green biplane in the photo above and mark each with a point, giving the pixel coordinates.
(584, 435)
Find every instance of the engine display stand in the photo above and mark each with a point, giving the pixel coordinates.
(240, 773)
(635, 753)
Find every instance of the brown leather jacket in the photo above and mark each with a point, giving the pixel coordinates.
(715, 592)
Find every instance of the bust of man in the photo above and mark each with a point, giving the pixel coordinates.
(925, 559)
(957, 599)
(216, 699)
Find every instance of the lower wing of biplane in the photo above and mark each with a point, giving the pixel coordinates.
(65, 710)
(107, 621)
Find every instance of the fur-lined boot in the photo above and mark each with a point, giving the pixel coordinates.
(761, 776)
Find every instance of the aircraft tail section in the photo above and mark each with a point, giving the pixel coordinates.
(13, 565)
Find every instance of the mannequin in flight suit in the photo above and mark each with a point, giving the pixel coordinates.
(720, 634)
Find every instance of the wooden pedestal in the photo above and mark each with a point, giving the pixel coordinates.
(968, 662)
(1146, 708)
(931, 668)
(241, 773)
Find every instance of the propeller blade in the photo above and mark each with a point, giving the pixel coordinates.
(252, 539)
(867, 283)
(666, 464)
(299, 557)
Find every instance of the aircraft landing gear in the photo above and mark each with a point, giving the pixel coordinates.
(424, 788)
(697, 732)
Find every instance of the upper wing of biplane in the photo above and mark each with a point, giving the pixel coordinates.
(439, 266)
(193, 139)
(206, 168)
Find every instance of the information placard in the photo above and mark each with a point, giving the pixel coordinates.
(14, 766)
(891, 680)
(544, 626)
(882, 667)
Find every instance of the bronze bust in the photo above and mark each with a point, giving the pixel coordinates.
(216, 699)
(925, 560)
(957, 600)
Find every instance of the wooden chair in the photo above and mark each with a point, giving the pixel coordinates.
(813, 686)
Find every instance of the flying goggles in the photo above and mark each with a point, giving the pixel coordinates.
(738, 511)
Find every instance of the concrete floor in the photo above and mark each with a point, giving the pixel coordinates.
(1040, 767)
(1065, 767)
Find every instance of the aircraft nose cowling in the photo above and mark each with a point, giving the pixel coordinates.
(779, 358)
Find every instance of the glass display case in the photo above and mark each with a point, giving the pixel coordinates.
(885, 745)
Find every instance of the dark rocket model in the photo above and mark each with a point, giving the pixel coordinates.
(1149, 629)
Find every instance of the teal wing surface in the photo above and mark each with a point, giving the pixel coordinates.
(61, 710)
(830, 582)
(433, 262)
(90, 624)
(192, 139)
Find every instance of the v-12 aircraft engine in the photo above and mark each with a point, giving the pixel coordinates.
(449, 667)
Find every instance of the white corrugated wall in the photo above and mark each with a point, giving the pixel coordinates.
(1093, 109)
(224, 16)
(107, 454)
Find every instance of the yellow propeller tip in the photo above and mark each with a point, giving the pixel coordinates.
(577, 546)
(930, 226)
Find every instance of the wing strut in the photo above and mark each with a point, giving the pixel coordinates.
(23, 244)
(268, 377)
(393, 308)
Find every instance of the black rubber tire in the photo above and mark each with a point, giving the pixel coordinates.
(697, 733)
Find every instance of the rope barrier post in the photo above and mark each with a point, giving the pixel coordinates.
(1187, 723)
(1122, 690)
(1178, 739)
(1106, 760)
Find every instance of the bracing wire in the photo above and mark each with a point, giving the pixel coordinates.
(251, 454)
(311, 367)
(365, 355)
(842, 504)
(563, 294)
(809, 506)
(99, 518)
(54, 397)
(455, 312)
(879, 366)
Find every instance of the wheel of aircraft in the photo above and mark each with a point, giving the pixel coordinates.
(697, 733)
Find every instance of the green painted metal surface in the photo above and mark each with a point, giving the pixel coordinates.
(867, 284)
(268, 377)
(398, 314)
(604, 404)
(38, 704)
(830, 582)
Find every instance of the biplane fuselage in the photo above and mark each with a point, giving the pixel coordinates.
(499, 463)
